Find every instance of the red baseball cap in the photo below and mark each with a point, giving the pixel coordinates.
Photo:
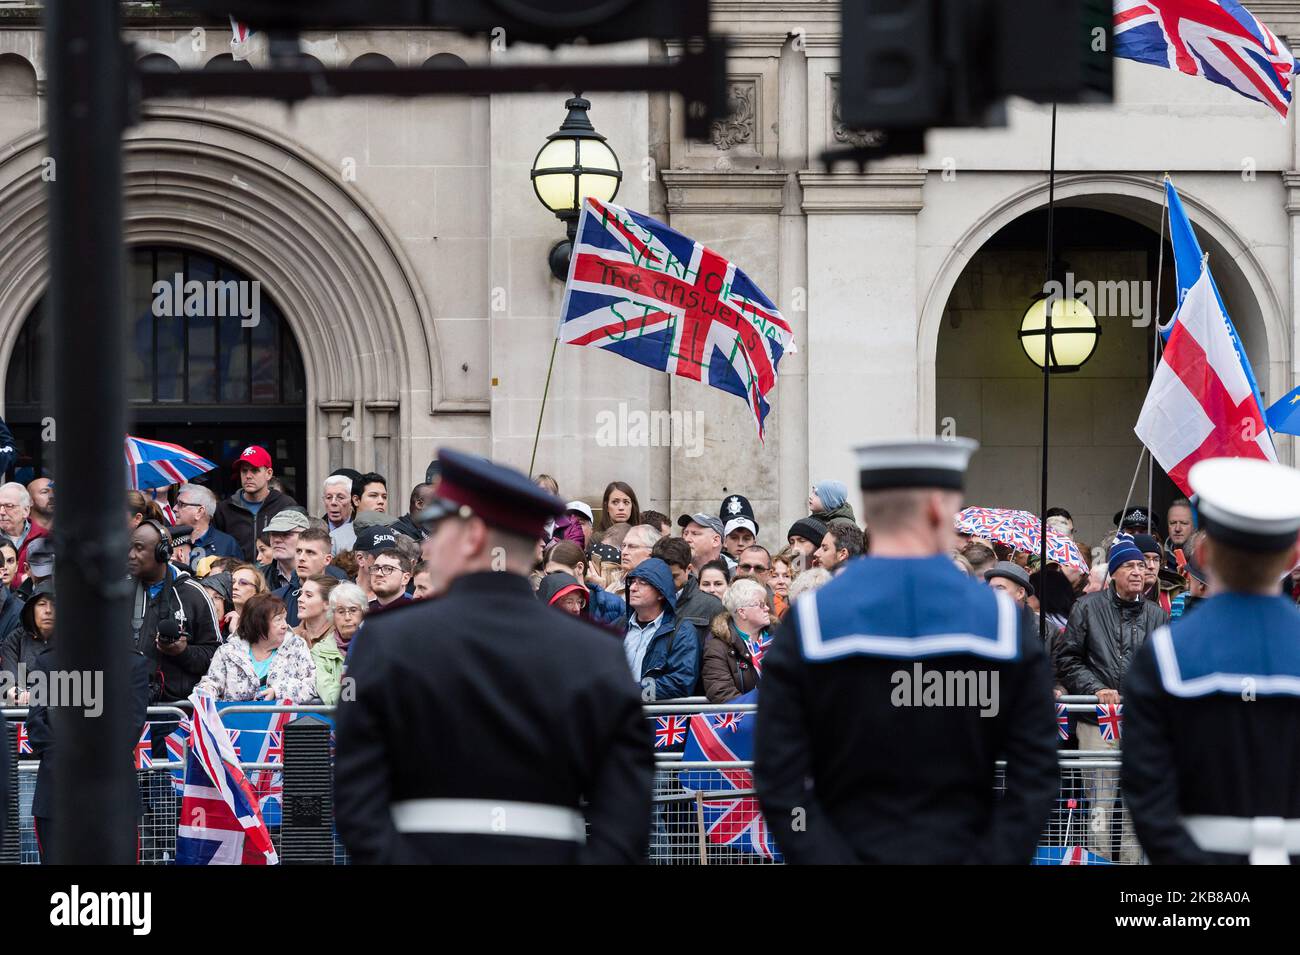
(253, 456)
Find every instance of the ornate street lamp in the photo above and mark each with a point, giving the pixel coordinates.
(1074, 334)
(574, 164)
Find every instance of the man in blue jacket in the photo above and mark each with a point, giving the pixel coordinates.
(664, 656)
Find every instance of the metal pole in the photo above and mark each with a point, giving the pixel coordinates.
(542, 413)
(95, 790)
(1047, 375)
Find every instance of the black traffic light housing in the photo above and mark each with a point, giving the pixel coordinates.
(911, 65)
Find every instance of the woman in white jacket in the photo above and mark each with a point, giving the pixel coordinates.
(263, 660)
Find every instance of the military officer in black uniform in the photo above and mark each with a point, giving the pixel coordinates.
(484, 727)
(1211, 768)
(889, 695)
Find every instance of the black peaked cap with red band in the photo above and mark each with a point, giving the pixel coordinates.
(503, 497)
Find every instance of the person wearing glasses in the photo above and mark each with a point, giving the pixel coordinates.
(15, 507)
(348, 609)
(738, 639)
(195, 506)
(390, 572)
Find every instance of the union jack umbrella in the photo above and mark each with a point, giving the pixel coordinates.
(1219, 40)
(644, 291)
(1110, 720)
(152, 464)
(669, 731)
(1019, 530)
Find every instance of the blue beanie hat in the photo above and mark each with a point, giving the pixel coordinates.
(1121, 552)
(831, 493)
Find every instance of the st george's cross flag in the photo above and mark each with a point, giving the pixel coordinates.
(1201, 404)
(644, 291)
(1219, 40)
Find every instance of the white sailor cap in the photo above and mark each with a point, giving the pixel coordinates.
(1247, 503)
(925, 462)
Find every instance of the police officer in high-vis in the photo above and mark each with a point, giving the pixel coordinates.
(890, 694)
(481, 726)
(1211, 767)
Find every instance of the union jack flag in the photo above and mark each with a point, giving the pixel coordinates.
(24, 744)
(735, 822)
(727, 721)
(1062, 721)
(1218, 39)
(144, 749)
(669, 731)
(643, 291)
(758, 649)
(220, 823)
(176, 743)
(269, 783)
(239, 36)
(1110, 720)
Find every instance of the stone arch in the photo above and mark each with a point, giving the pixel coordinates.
(373, 61)
(19, 96)
(246, 195)
(1257, 307)
(158, 63)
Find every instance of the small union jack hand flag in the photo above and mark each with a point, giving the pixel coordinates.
(144, 749)
(644, 291)
(24, 744)
(1110, 719)
(1062, 721)
(727, 721)
(669, 731)
(758, 647)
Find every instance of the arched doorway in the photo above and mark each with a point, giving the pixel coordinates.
(987, 388)
(210, 382)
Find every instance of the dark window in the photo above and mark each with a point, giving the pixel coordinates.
(212, 376)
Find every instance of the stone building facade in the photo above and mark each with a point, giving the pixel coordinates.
(403, 245)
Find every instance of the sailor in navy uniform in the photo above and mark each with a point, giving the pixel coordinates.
(1211, 768)
(484, 727)
(889, 695)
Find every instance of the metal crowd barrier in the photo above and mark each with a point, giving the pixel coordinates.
(713, 827)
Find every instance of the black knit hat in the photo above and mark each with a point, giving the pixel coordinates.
(809, 528)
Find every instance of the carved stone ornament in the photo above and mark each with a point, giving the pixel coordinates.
(738, 127)
(857, 138)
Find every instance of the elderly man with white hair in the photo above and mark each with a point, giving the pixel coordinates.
(195, 506)
(336, 498)
(15, 523)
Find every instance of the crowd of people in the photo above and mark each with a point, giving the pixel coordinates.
(253, 597)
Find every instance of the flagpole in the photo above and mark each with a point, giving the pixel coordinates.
(545, 391)
(1155, 350)
(1048, 357)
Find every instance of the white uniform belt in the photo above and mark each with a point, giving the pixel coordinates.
(489, 817)
(1268, 840)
